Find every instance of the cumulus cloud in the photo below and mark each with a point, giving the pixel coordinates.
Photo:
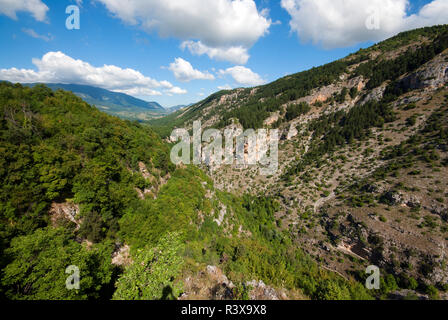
(37, 8)
(139, 91)
(243, 76)
(35, 35)
(225, 87)
(237, 55)
(176, 90)
(184, 71)
(223, 28)
(57, 67)
(433, 13)
(341, 23)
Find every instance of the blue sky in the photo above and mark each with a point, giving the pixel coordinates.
(180, 51)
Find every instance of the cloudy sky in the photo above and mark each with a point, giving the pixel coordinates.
(179, 51)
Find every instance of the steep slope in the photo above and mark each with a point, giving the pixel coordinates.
(87, 190)
(69, 166)
(362, 157)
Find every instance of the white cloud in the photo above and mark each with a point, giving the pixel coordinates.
(341, 23)
(37, 8)
(57, 67)
(216, 23)
(243, 76)
(225, 87)
(34, 34)
(140, 92)
(236, 54)
(184, 71)
(176, 90)
(230, 27)
(433, 13)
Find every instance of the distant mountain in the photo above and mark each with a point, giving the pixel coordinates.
(114, 103)
(179, 107)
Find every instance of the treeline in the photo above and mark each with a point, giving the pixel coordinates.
(344, 128)
(379, 72)
(339, 129)
(405, 38)
(269, 98)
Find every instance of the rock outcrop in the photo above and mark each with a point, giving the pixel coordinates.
(433, 75)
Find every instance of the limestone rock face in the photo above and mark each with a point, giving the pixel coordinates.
(122, 256)
(260, 291)
(375, 95)
(210, 284)
(433, 75)
(292, 132)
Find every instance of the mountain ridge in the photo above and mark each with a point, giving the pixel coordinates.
(286, 89)
(115, 103)
(362, 157)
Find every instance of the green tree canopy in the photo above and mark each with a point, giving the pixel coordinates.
(152, 275)
(39, 262)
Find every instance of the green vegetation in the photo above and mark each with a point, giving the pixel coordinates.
(55, 148)
(295, 110)
(270, 97)
(253, 106)
(268, 254)
(380, 71)
(408, 37)
(153, 272)
(117, 181)
(256, 107)
(58, 149)
(341, 128)
(39, 261)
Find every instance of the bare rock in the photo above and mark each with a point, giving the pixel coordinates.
(433, 75)
(122, 256)
(64, 211)
(412, 201)
(260, 291)
(392, 198)
(292, 132)
(375, 95)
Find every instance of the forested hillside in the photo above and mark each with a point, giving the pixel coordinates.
(81, 188)
(113, 103)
